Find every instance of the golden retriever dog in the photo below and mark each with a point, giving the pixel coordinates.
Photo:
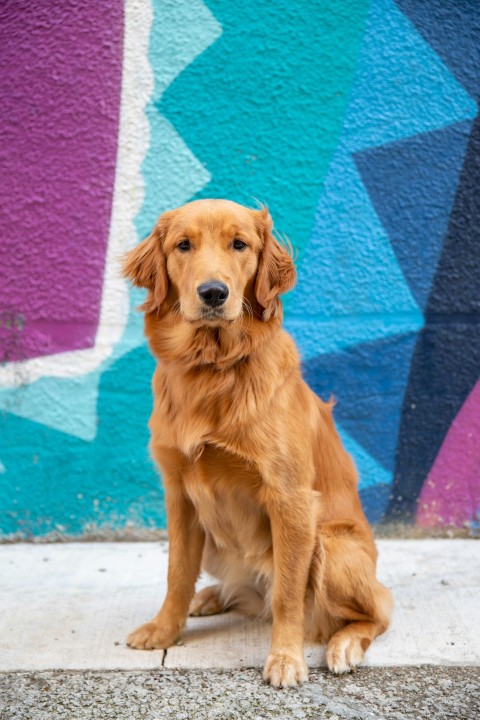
(259, 491)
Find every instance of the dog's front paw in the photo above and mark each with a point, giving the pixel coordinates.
(282, 670)
(152, 636)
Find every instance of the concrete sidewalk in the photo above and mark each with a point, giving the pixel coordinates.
(65, 611)
(71, 606)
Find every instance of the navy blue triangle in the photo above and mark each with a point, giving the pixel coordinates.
(446, 361)
(412, 186)
(374, 501)
(368, 382)
(453, 31)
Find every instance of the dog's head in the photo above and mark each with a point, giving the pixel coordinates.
(213, 260)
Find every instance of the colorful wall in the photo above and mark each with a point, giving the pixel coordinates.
(355, 121)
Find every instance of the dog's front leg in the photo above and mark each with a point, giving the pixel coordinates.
(186, 539)
(292, 528)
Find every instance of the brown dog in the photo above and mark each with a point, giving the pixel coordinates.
(259, 490)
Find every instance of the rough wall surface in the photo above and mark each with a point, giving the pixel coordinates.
(355, 121)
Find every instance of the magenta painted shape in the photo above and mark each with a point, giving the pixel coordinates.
(60, 74)
(451, 492)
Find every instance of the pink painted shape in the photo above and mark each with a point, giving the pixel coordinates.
(451, 492)
(60, 72)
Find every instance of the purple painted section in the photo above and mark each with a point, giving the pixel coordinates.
(61, 80)
(451, 493)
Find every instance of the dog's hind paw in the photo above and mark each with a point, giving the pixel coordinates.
(343, 654)
(207, 602)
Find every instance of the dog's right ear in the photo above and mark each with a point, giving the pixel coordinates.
(146, 266)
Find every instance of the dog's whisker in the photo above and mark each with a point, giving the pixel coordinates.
(176, 309)
(248, 308)
(253, 312)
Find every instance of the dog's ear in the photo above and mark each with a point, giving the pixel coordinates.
(146, 266)
(276, 272)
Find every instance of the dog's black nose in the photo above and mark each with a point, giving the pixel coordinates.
(213, 294)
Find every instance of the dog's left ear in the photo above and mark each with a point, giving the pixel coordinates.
(146, 266)
(276, 272)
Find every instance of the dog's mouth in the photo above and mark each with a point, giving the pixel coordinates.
(212, 316)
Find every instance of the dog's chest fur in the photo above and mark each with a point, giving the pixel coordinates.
(201, 406)
(225, 493)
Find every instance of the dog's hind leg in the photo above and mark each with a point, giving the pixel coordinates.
(238, 588)
(215, 599)
(350, 606)
(208, 601)
(346, 648)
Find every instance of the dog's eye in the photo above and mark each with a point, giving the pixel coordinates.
(239, 244)
(184, 246)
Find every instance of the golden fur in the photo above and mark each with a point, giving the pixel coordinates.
(259, 490)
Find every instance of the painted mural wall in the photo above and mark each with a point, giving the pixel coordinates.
(355, 121)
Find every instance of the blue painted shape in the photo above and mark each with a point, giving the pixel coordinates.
(368, 381)
(453, 30)
(320, 334)
(370, 472)
(401, 87)
(412, 185)
(57, 482)
(375, 501)
(352, 269)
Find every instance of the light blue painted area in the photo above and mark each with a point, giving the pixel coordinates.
(320, 335)
(370, 472)
(401, 87)
(172, 174)
(355, 270)
(181, 30)
(2, 467)
(66, 404)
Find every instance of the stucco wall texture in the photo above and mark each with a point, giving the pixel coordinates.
(355, 121)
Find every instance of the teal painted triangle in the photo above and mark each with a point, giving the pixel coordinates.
(258, 108)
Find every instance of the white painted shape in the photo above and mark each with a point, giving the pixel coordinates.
(41, 602)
